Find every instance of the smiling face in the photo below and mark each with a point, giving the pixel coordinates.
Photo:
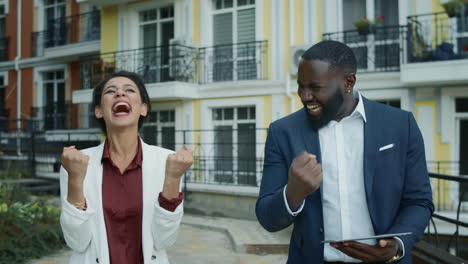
(321, 91)
(121, 105)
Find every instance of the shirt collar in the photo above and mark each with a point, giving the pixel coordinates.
(359, 107)
(137, 160)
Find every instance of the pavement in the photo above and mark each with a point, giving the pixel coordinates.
(206, 239)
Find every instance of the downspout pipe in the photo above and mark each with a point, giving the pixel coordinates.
(289, 94)
(18, 74)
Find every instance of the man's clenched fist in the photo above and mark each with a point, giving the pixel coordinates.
(75, 163)
(305, 175)
(178, 163)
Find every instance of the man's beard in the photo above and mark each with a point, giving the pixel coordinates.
(329, 112)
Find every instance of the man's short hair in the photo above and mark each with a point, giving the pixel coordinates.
(337, 54)
(97, 94)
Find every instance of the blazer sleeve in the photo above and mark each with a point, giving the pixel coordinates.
(165, 224)
(75, 223)
(416, 204)
(270, 208)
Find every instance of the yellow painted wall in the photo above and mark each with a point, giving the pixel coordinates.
(196, 118)
(109, 28)
(441, 152)
(286, 35)
(266, 36)
(267, 118)
(319, 20)
(196, 21)
(299, 22)
(439, 36)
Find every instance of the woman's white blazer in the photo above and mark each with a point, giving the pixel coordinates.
(85, 231)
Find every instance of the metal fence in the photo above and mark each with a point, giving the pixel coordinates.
(447, 228)
(67, 30)
(436, 36)
(175, 62)
(377, 50)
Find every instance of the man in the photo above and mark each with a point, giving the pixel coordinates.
(344, 167)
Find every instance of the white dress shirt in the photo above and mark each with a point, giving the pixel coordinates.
(344, 205)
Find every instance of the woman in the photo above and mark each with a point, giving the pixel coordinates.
(121, 200)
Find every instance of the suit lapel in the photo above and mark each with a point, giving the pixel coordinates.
(310, 138)
(370, 149)
(311, 141)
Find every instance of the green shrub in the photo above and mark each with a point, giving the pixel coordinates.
(27, 229)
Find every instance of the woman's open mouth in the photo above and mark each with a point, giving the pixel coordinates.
(121, 108)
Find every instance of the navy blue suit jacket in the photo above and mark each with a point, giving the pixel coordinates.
(398, 191)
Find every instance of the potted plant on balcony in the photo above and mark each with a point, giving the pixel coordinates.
(455, 8)
(364, 26)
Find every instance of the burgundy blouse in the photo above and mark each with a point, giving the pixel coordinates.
(122, 196)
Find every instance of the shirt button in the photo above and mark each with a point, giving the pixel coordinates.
(153, 257)
(321, 230)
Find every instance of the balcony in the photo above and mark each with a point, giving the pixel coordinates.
(179, 67)
(53, 116)
(83, 31)
(436, 49)
(233, 62)
(4, 48)
(377, 51)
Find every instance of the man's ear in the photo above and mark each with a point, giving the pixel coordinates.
(349, 81)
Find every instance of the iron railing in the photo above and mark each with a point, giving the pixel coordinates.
(154, 64)
(67, 30)
(56, 115)
(234, 62)
(377, 50)
(230, 62)
(435, 36)
(4, 48)
(449, 221)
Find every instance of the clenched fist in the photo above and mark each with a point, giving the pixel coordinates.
(75, 163)
(178, 163)
(305, 175)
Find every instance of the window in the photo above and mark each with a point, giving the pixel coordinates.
(3, 38)
(461, 109)
(159, 129)
(234, 40)
(234, 145)
(56, 32)
(3, 110)
(156, 30)
(54, 110)
(379, 50)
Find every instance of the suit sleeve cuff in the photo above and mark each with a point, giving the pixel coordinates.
(298, 211)
(402, 246)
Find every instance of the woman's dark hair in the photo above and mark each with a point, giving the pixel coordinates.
(97, 94)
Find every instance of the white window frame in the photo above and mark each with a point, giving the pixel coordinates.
(334, 23)
(39, 80)
(207, 107)
(133, 26)
(6, 6)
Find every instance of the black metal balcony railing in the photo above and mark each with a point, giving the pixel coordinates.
(154, 64)
(244, 61)
(4, 48)
(377, 51)
(449, 196)
(53, 116)
(433, 37)
(67, 30)
(233, 62)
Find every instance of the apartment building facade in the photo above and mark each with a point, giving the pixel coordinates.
(218, 72)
